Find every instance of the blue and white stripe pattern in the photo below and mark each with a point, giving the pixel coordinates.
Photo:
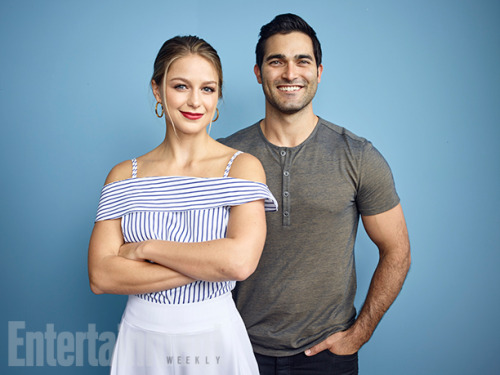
(181, 209)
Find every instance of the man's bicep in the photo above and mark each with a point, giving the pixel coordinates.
(388, 229)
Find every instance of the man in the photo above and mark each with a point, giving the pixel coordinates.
(298, 305)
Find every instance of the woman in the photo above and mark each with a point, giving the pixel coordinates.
(177, 227)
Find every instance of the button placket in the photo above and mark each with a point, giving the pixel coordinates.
(285, 193)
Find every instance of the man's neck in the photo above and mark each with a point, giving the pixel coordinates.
(288, 130)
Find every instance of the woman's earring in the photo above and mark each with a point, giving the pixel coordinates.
(217, 109)
(156, 110)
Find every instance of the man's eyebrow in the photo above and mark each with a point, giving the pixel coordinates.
(283, 57)
(304, 56)
(275, 56)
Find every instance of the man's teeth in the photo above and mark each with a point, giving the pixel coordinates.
(289, 88)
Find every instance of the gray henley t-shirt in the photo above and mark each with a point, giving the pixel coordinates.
(304, 286)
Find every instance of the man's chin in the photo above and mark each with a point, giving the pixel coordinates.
(289, 109)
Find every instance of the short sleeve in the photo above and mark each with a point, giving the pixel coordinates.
(376, 190)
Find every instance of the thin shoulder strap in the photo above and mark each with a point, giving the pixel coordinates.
(134, 168)
(228, 167)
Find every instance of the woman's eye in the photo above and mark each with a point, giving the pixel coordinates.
(209, 89)
(180, 87)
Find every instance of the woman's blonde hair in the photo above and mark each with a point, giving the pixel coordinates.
(181, 46)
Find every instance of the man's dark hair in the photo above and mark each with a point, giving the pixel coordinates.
(285, 24)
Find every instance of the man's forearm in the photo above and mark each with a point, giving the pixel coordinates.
(385, 286)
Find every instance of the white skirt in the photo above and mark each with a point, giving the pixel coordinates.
(201, 338)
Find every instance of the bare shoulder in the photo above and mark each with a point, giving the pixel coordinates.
(247, 167)
(120, 172)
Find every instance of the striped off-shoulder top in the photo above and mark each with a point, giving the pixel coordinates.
(182, 209)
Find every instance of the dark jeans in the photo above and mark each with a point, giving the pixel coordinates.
(323, 363)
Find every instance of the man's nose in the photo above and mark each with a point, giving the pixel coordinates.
(290, 72)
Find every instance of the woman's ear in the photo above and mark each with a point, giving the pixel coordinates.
(156, 90)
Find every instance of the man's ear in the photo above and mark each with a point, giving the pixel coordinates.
(320, 71)
(256, 70)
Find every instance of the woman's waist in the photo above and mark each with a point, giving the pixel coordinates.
(179, 318)
(197, 291)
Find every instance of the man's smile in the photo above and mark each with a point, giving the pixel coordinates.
(289, 88)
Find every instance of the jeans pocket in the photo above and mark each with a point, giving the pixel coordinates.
(343, 364)
(346, 357)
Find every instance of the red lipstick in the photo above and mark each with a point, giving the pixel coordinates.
(192, 116)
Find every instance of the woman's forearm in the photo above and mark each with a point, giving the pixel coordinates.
(234, 257)
(217, 260)
(117, 275)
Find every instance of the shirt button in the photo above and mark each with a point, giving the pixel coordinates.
(283, 153)
(286, 213)
(286, 194)
(286, 173)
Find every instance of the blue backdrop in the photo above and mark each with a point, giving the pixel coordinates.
(419, 79)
